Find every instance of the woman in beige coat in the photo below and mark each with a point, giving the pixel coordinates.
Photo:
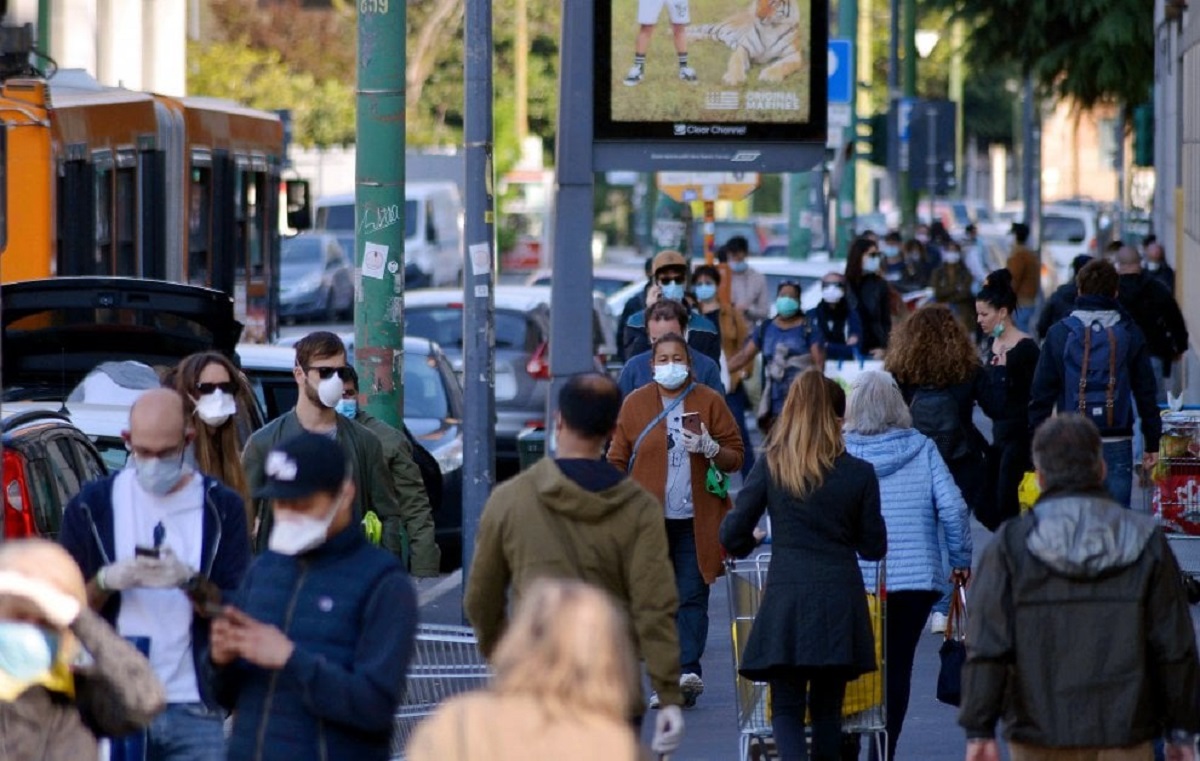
(565, 676)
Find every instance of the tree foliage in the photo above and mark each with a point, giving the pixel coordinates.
(1089, 51)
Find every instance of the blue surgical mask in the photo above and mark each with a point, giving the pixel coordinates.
(159, 475)
(890, 251)
(26, 650)
(347, 408)
(870, 264)
(672, 291)
(671, 375)
(786, 306)
(706, 291)
(739, 266)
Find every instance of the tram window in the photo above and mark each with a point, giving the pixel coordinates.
(254, 215)
(103, 238)
(126, 260)
(200, 226)
(239, 222)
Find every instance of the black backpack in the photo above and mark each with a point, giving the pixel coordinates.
(935, 414)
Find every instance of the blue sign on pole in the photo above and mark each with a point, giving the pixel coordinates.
(841, 71)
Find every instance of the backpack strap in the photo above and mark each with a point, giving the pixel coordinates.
(1083, 371)
(657, 419)
(1110, 392)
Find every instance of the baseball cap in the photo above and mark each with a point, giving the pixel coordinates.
(669, 259)
(302, 466)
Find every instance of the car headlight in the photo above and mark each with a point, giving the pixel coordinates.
(450, 457)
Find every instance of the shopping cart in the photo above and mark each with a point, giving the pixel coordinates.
(746, 580)
(446, 661)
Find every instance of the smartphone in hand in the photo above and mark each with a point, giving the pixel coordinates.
(147, 552)
(691, 422)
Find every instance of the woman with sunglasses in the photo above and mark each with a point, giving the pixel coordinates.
(871, 293)
(790, 344)
(214, 391)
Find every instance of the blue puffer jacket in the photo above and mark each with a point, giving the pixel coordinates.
(351, 612)
(918, 494)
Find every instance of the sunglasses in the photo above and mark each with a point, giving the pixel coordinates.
(678, 280)
(326, 373)
(229, 387)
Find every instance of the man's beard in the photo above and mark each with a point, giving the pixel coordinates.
(310, 393)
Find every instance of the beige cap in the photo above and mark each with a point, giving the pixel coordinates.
(669, 258)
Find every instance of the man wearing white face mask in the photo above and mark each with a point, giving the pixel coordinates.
(140, 536)
(320, 372)
(312, 651)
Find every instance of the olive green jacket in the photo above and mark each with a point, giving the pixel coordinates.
(416, 515)
(367, 467)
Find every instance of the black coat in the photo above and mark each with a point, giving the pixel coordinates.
(873, 297)
(814, 610)
(1155, 311)
(1058, 307)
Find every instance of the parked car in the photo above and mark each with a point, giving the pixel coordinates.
(806, 272)
(433, 412)
(316, 278)
(46, 462)
(1067, 232)
(605, 280)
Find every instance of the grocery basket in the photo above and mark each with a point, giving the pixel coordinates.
(746, 580)
(446, 661)
(1173, 496)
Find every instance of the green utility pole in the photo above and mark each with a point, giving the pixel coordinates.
(908, 199)
(43, 27)
(848, 29)
(799, 191)
(379, 209)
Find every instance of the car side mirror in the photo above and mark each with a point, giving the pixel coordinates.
(1075, 239)
(299, 205)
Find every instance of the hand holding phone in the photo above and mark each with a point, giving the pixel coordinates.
(691, 422)
(147, 552)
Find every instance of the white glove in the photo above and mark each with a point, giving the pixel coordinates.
(57, 607)
(700, 443)
(165, 571)
(668, 730)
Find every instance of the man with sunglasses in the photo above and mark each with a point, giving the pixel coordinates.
(320, 372)
(670, 282)
(140, 536)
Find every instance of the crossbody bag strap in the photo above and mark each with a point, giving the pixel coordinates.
(657, 419)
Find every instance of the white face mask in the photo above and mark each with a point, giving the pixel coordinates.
(671, 375)
(870, 264)
(951, 257)
(832, 294)
(329, 391)
(215, 408)
(159, 475)
(298, 533)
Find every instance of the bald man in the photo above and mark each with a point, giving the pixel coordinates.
(141, 537)
(1153, 307)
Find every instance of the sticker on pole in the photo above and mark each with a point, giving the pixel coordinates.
(374, 260)
(481, 291)
(481, 258)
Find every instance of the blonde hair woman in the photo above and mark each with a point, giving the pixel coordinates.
(813, 632)
(565, 681)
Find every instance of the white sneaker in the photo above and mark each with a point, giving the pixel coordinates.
(686, 73)
(692, 687)
(634, 77)
(655, 703)
(937, 623)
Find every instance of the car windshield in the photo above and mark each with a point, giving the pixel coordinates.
(424, 391)
(301, 253)
(1056, 229)
(444, 326)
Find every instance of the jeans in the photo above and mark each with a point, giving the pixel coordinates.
(186, 732)
(737, 403)
(1118, 457)
(692, 619)
(820, 690)
(907, 612)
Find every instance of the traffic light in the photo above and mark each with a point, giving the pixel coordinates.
(878, 139)
(1143, 135)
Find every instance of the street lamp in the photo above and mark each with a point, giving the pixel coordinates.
(927, 40)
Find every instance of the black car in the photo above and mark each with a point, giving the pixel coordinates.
(46, 462)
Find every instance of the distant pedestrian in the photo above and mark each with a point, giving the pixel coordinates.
(953, 286)
(748, 287)
(975, 256)
(53, 706)
(1158, 266)
(1153, 307)
(813, 631)
(1080, 639)
(671, 284)
(1026, 272)
(1009, 363)
(790, 344)
(1062, 302)
(635, 304)
(661, 319)
(837, 319)
(311, 653)
(1096, 363)
(871, 294)
(577, 517)
(320, 374)
(669, 435)
(919, 264)
(415, 514)
(140, 537)
(734, 332)
(924, 513)
(565, 674)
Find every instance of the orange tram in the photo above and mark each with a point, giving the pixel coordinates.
(107, 181)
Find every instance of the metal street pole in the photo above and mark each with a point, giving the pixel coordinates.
(908, 199)
(479, 348)
(848, 28)
(379, 209)
(571, 297)
(931, 158)
(1031, 166)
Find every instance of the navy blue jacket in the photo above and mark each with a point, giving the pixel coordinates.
(639, 371)
(351, 613)
(702, 335)
(1048, 390)
(87, 533)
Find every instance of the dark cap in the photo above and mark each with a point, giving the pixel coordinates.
(302, 466)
